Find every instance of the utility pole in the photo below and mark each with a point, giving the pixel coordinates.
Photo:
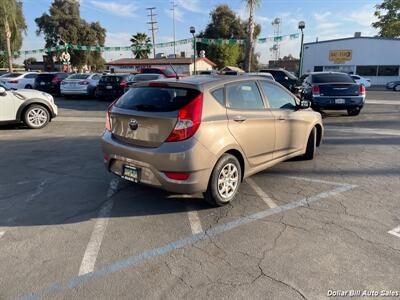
(173, 24)
(152, 27)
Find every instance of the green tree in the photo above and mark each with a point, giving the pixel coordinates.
(140, 45)
(226, 24)
(64, 24)
(388, 13)
(12, 23)
(251, 5)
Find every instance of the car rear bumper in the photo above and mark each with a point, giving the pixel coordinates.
(75, 92)
(332, 102)
(192, 157)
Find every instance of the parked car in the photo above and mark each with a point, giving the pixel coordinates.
(208, 72)
(113, 86)
(50, 82)
(34, 108)
(393, 85)
(19, 80)
(144, 77)
(266, 75)
(361, 80)
(4, 73)
(206, 133)
(168, 73)
(80, 84)
(285, 78)
(334, 91)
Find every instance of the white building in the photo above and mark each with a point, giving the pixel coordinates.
(372, 57)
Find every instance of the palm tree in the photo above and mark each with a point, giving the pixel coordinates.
(251, 5)
(140, 45)
(8, 13)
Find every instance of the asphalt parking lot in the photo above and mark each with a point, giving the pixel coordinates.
(71, 230)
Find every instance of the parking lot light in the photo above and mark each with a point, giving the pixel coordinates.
(302, 25)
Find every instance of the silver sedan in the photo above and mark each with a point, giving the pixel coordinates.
(80, 84)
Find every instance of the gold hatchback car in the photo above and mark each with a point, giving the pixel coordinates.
(206, 133)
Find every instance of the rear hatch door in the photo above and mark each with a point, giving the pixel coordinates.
(146, 115)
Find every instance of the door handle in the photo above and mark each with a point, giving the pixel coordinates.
(280, 118)
(239, 119)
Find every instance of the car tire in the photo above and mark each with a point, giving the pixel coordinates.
(224, 181)
(396, 88)
(36, 116)
(311, 145)
(354, 111)
(28, 86)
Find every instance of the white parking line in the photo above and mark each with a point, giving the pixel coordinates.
(363, 130)
(80, 119)
(2, 233)
(93, 247)
(383, 102)
(261, 193)
(395, 231)
(194, 220)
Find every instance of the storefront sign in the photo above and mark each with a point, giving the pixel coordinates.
(340, 56)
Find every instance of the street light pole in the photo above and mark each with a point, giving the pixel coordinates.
(193, 31)
(302, 25)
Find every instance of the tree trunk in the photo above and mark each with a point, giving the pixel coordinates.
(8, 40)
(250, 39)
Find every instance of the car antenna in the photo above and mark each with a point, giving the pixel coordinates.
(176, 74)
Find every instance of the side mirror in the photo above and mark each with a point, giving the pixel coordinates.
(2, 90)
(304, 104)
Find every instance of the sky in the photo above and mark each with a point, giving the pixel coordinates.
(325, 19)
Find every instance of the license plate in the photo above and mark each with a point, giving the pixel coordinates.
(108, 87)
(42, 83)
(130, 173)
(340, 101)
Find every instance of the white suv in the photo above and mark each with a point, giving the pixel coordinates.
(31, 107)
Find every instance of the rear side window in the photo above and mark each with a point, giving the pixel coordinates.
(331, 78)
(31, 76)
(278, 98)
(244, 95)
(13, 75)
(156, 99)
(218, 95)
(45, 77)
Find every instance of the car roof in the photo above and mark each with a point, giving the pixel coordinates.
(318, 73)
(210, 81)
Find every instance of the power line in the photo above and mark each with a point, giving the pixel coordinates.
(153, 27)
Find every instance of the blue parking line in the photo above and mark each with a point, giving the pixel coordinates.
(217, 230)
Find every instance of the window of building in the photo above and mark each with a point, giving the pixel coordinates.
(367, 70)
(388, 71)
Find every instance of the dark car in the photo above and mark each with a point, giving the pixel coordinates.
(334, 91)
(393, 85)
(284, 77)
(113, 86)
(49, 82)
(143, 77)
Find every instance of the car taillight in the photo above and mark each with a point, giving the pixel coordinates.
(189, 120)
(13, 81)
(361, 89)
(123, 83)
(84, 82)
(108, 120)
(177, 175)
(56, 79)
(315, 90)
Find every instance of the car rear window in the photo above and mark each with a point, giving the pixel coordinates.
(146, 77)
(12, 75)
(110, 79)
(331, 78)
(79, 76)
(45, 77)
(156, 99)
